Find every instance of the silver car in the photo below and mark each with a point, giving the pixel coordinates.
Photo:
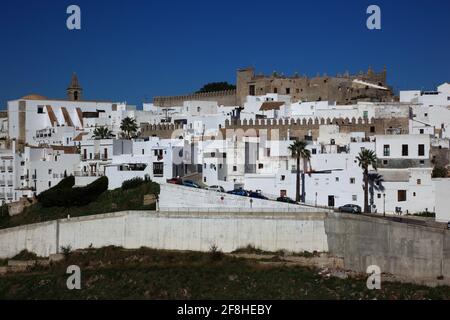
(216, 188)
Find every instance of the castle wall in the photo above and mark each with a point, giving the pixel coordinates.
(226, 98)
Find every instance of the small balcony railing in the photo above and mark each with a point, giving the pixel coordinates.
(88, 174)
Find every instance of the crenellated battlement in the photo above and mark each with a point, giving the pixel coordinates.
(224, 97)
(304, 121)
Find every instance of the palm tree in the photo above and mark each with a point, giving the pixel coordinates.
(367, 158)
(299, 152)
(102, 133)
(129, 127)
(375, 184)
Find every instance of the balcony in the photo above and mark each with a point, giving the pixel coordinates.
(2, 183)
(10, 183)
(88, 174)
(2, 168)
(10, 169)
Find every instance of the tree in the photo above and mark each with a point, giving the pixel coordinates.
(375, 184)
(299, 152)
(439, 172)
(216, 86)
(102, 133)
(129, 127)
(367, 158)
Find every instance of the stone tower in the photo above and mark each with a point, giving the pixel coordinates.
(74, 91)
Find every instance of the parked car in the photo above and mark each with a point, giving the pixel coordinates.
(192, 184)
(238, 192)
(216, 188)
(287, 200)
(350, 208)
(174, 181)
(257, 195)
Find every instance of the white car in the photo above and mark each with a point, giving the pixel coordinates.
(216, 188)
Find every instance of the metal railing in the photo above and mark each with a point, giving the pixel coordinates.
(294, 209)
(88, 174)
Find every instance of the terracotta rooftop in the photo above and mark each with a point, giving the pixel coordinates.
(275, 105)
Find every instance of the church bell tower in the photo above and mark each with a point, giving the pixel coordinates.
(74, 91)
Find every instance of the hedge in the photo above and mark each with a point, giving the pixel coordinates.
(63, 195)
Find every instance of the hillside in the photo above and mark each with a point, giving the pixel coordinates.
(116, 273)
(109, 201)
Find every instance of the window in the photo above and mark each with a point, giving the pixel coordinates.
(234, 168)
(386, 150)
(352, 180)
(401, 195)
(40, 109)
(275, 90)
(337, 179)
(251, 90)
(365, 114)
(158, 169)
(220, 166)
(414, 194)
(425, 114)
(372, 129)
(283, 177)
(419, 181)
(268, 152)
(143, 151)
(49, 184)
(313, 151)
(421, 149)
(204, 179)
(260, 166)
(385, 162)
(204, 165)
(404, 150)
(421, 131)
(379, 195)
(354, 197)
(49, 171)
(198, 109)
(288, 90)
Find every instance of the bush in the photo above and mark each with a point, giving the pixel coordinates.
(4, 211)
(215, 253)
(25, 255)
(52, 196)
(132, 183)
(66, 196)
(425, 214)
(439, 172)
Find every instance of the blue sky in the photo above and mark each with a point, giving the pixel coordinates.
(133, 50)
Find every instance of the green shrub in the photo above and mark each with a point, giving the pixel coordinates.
(132, 183)
(52, 196)
(4, 211)
(25, 255)
(439, 172)
(68, 196)
(215, 253)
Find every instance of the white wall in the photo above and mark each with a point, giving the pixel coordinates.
(178, 197)
(442, 199)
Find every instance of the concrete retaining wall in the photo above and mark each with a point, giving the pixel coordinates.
(398, 248)
(402, 249)
(294, 232)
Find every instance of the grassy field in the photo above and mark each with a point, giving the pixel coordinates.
(109, 201)
(115, 273)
